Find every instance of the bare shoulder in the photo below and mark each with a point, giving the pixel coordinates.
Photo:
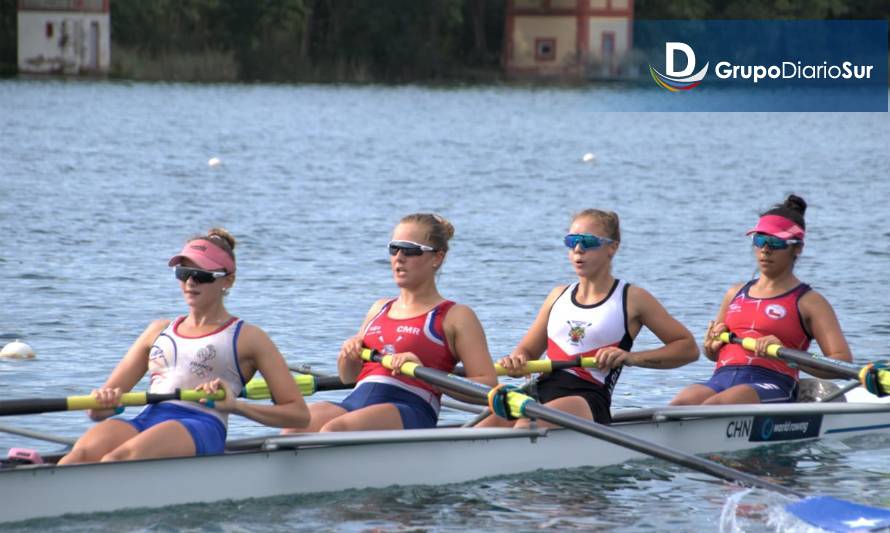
(461, 313)
(555, 293)
(813, 299)
(377, 306)
(157, 326)
(733, 290)
(251, 334)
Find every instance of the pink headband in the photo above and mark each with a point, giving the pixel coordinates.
(206, 255)
(777, 226)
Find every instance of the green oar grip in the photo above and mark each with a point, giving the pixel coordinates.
(258, 389)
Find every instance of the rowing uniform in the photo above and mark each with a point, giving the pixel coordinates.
(424, 335)
(180, 362)
(577, 330)
(773, 379)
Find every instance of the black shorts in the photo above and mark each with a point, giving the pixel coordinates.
(561, 384)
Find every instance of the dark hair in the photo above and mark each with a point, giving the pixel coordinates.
(221, 238)
(609, 220)
(792, 208)
(439, 230)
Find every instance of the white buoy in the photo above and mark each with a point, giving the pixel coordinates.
(213, 162)
(588, 158)
(17, 350)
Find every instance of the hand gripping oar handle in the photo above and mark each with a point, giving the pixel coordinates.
(521, 405)
(873, 376)
(75, 403)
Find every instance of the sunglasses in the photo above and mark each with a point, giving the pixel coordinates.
(409, 248)
(200, 276)
(759, 240)
(587, 241)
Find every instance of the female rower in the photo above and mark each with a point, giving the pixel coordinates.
(208, 349)
(419, 326)
(598, 316)
(775, 308)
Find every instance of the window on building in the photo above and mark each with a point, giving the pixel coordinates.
(49, 30)
(545, 49)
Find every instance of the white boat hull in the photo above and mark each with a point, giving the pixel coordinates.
(314, 463)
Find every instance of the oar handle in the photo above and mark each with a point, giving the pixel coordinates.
(873, 376)
(258, 389)
(76, 403)
(546, 366)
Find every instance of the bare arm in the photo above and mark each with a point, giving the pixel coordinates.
(679, 345)
(349, 362)
(821, 321)
(711, 346)
(468, 342)
(260, 353)
(534, 342)
(128, 371)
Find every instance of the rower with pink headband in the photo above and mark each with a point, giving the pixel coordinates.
(774, 308)
(208, 349)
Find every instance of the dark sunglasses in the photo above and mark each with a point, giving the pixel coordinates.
(759, 240)
(200, 276)
(587, 241)
(409, 248)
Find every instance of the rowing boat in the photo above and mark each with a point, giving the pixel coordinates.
(278, 465)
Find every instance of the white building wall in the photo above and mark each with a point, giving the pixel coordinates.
(80, 42)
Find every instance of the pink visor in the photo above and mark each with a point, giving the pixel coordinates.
(777, 226)
(206, 255)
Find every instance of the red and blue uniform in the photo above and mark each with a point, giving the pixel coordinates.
(773, 379)
(424, 336)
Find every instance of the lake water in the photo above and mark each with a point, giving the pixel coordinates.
(100, 183)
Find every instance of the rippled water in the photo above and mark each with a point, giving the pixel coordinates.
(101, 182)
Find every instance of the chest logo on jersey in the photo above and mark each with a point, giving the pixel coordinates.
(775, 311)
(200, 366)
(156, 356)
(577, 330)
(410, 330)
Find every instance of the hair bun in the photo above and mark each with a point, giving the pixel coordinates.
(222, 233)
(446, 226)
(796, 203)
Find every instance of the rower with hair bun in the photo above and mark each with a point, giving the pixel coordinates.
(775, 308)
(208, 349)
(419, 326)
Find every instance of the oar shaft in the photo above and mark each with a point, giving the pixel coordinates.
(541, 366)
(588, 427)
(76, 403)
(809, 360)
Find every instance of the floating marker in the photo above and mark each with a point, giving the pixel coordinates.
(213, 162)
(17, 350)
(588, 158)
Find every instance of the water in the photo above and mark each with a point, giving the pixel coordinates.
(100, 183)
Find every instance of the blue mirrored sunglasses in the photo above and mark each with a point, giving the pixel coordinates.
(588, 241)
(759, 240)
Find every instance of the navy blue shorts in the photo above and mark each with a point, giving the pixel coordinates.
(771, 387)
(208, 433)
(416, 413)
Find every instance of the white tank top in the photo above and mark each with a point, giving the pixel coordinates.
(575, 330)
(178, 362)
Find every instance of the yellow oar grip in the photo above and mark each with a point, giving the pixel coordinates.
(406, 369)
(258, 389)
(193, 396)
(750, 344)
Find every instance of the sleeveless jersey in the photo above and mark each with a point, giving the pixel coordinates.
(757, 317)
(575, 330)
(179, 362)
(422, 335)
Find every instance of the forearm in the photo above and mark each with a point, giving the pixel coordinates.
(348, 369)
(672, 355)
(291, 414)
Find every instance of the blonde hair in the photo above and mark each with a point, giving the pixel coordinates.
(439, 230)
(608, 219)
(220, 237)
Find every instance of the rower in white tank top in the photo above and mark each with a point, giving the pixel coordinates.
(576, 330)
(179, 362)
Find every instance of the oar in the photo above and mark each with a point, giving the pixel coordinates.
(258, 389)
(76, 403)
(519, 405)
(542, 366)
(873, 376)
